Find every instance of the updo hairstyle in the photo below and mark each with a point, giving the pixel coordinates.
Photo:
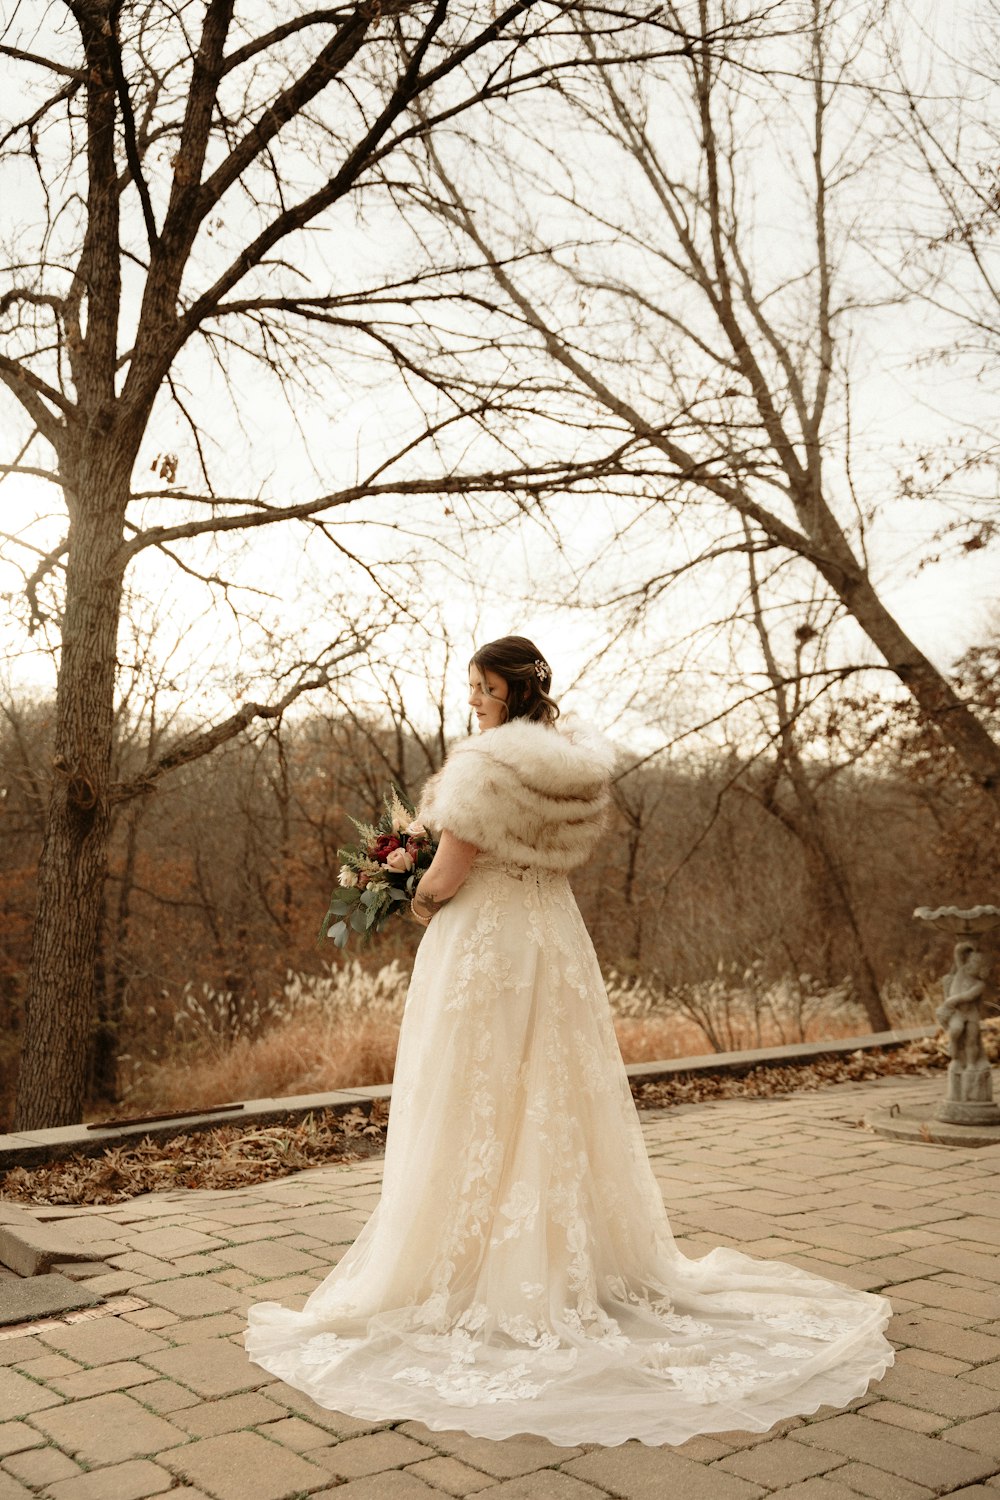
(527, 674)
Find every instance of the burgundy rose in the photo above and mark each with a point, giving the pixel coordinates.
(413, 847)
(383, 847)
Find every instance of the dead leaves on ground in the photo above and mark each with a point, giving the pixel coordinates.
(223, 1157)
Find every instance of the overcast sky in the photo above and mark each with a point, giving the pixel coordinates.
(513, 580)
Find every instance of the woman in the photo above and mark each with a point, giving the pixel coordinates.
(519, 1273)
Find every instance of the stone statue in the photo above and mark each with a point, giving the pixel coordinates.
(969, 1078)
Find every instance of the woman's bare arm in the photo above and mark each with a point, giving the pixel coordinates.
(447, 870)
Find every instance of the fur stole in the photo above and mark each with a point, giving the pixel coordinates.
(525, 792)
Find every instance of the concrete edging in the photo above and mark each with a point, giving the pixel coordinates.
(33, 1147)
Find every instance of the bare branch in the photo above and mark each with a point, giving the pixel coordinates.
(318, 674)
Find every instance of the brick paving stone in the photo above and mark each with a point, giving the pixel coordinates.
(14, 1351)
(210, 1367)
(39, 1467)
(704, 1449)
(231, 1414)
(165, 1396)
(295, 1434)
(879, 1485)
(237, 1465)
(271, 1258)
(636, 1472)
(199, 1265)
(504, 1460)
(939, 1364)
(19, 1397)
(372, 1454)
(959, 1257)
(12, 1489)
(215, 1325)
(909, 1454)
(133, 1480)
(284, 1289)
(115, 1281)
(546, 1484)
(939, 1338)
(981, 1230)
(120, 1375)
(246, 1234)
(150, 1317)
(818, 1489)
(47, 1365)
(393, 1485)
(87, 1227)
(909, 1417)
(191, 1296)
(16, 1436)
(101, 1340)
(107, 1429)
(738, 1441)
(238, 1279)
(146, 1265)
(982, 1434)
(168, 1243)
(80, 1270)
(451, 1476)
(778, 1463)
(987, 1375)
(934, 1293)
(338, 1422)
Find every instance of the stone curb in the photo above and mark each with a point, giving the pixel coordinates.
(31, 1148)
(29, 1248)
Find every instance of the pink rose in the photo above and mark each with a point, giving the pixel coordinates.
(399, 862)
(416, 831)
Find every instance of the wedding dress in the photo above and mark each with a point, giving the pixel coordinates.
(519, 1274)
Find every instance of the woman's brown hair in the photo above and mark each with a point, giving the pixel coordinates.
(527, 674)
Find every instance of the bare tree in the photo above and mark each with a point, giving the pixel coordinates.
(937, 245)
(722, 366)
(172, 169)
(803, 816)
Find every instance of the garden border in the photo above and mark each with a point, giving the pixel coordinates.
(31, 1148)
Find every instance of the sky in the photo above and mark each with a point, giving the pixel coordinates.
(511, 580)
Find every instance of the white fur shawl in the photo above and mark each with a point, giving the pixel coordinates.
(524, 792)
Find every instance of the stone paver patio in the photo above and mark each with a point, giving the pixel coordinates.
(153, 1392)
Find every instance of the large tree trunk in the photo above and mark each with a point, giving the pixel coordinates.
(112, 976)
(60, 1002)
(975, 749)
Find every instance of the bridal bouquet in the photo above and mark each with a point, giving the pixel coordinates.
(379, 875)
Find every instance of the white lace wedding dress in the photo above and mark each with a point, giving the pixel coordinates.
(519, 1273)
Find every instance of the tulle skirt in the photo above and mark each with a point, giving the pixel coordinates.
(519, 1274)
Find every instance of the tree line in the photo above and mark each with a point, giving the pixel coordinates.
(220, 880)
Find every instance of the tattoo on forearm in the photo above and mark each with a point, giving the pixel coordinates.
(425, 905)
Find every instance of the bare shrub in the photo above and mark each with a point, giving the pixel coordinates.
(321, 1032)
(733, 1010)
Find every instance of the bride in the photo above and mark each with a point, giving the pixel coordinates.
(519, 1274)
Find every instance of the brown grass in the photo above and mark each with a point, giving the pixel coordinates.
(341, 1030)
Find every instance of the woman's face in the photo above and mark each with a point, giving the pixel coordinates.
(487, 696)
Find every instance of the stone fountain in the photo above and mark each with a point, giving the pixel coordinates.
(968, 1115)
